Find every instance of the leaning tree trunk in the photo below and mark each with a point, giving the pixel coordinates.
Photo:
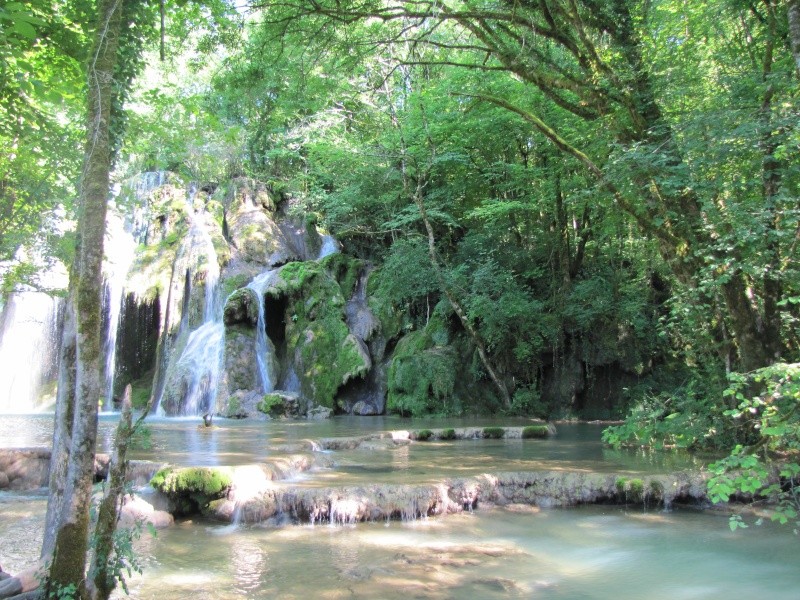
(456, 305)
(68, 566)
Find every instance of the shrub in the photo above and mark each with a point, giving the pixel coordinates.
(423, 435)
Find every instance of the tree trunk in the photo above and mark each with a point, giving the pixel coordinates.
(68, 566)
(794, 32)
(101, 575)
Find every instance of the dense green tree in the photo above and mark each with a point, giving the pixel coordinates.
(599, 63)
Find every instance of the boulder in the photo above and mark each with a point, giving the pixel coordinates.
(24, 468)
(135, 510)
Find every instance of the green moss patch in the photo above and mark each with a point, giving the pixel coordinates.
(535, 432)
(493, 433)
(192, 489)
(422, 375)
(447, 434)
(632, 489)
(271, 404)
(423, 435)
(326, 355)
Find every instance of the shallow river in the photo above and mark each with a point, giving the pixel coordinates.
(589, 552)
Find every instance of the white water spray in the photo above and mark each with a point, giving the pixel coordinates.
(28, 349)
(259, 286)
(200, 364)
(329, 246)
(120, 249)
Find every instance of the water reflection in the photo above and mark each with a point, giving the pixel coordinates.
(590, 552)
(184, 441)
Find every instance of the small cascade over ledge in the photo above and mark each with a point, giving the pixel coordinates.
(259, 287)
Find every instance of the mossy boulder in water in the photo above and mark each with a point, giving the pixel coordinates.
(281, 404)
(193, 488)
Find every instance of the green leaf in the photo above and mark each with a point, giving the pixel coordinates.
(25, 29)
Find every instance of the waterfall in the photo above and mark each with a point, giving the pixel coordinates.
(329, 246)
(29, 341)
(259, 286)
(120, 249)
(200, 363)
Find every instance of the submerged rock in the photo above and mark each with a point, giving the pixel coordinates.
(135, 511)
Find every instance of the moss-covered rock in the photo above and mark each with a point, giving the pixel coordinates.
(280, 404)
(345, 270)
(535, 432)
(423, 435)
(422, 375)
(447, 434)
(191, 489)
(493, 433)
(324, 353)
(240, 368)
(241, 307)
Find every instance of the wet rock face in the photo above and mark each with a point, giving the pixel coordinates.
(242, 404)
(252, 231)
(29, 468)
(135, 511)
(240, 367)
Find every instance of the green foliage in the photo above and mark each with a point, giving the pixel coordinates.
(124, 560)
(688, 417)
(769, 423)
(493, 433)
(64, 592)
(527, 401)
(535, 432)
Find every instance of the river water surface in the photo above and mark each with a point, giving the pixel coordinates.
(515, 552)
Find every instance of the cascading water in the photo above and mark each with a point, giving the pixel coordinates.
(329, 246)
(259, 286)
(29, 340)
(30, 326)
(200, 363)
(120, 249)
